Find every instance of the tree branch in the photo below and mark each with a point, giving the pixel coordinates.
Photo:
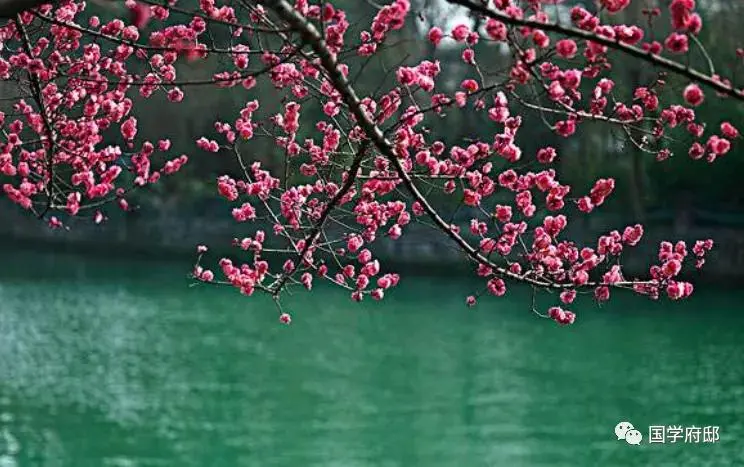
(276, 287)
(665, 63)
(311, 36)
(10, 8)
(328, 61)
(38, 96)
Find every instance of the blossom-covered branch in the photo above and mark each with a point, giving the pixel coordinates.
(592, 31)
(352, 160)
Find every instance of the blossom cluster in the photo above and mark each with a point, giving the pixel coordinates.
(354, 173)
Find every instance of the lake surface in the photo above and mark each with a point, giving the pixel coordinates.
(121, 363)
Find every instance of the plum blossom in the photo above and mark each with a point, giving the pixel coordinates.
(368, 166)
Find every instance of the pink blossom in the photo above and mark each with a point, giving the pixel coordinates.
(129, 128)
(468, 56)
(565, 128)
(653, 48)
(496, 30)
(561, 316)
(541, 39)
(470, 85)
(471, 198)
(497, 287)
(676, 43)
(55, 223)
(630, 35)
(729, 130)
(435, 35)
(718, 146)
(244, 213)
(354, 243)
(632, 234)
(546, 155)
(679, 290)
(613, 276)
(362, 282)
(207, 276)
(681, 12)
(378, 294)
(566, 48)
(614, 6)
(503, 213)
(601, 190)
(460, 32)
(693, 95)
(568, 296)
(602, 293)
(696, 151)
(307, 280)
(207, 145)
(671, 268)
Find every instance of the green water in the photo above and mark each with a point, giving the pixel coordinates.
(113, 363)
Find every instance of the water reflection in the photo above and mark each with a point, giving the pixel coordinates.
(121, 364)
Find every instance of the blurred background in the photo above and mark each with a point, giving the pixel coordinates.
(109, 358)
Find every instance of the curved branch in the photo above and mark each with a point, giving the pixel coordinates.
(312, 37)
(38, 97)
(10, 8)
(665, 63)
(316, 231)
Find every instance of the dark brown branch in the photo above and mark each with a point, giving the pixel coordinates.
(38, 97)
(665, 63)
(311, 36)
(137, 45)
(10, 8)
(276, 287)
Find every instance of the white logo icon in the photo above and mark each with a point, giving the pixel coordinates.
(626, 431)
(633, 436)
